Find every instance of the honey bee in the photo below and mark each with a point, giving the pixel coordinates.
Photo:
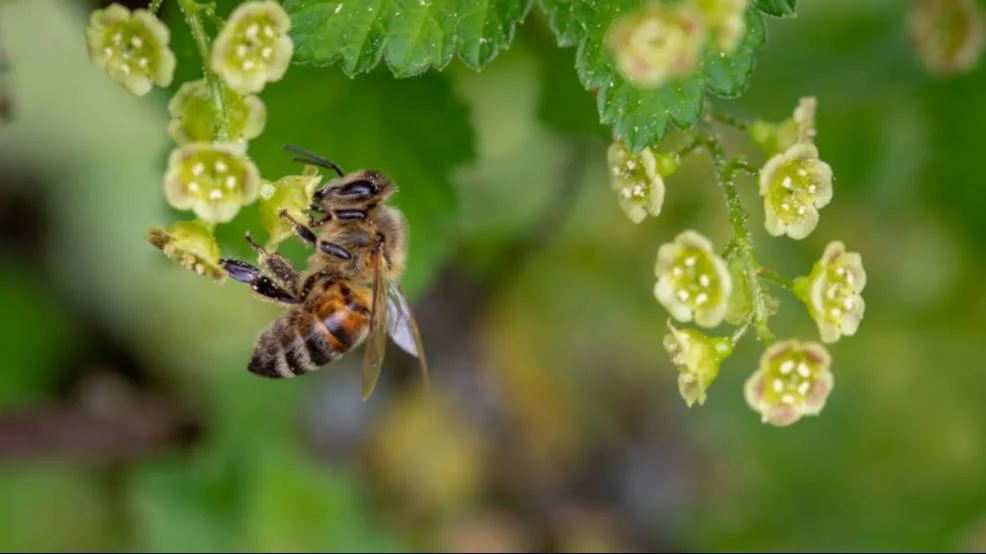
(350, 293)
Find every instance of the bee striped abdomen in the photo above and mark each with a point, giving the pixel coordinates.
(312, 335)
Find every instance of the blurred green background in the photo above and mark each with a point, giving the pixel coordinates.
(128, 420)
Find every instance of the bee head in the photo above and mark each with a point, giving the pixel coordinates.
(357, 189)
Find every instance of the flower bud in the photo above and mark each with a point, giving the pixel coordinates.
(697, 358)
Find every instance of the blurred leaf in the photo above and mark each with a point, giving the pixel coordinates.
(641, 116)
(53, 509)
(180, 509)
(292, 504)
(411, 35)
(780, 8)
(30, 363)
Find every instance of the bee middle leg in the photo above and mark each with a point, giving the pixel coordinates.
(277, 266)
(259, 282)
(311, 239)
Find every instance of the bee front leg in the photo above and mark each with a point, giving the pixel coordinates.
(258, 281)
(311, 239)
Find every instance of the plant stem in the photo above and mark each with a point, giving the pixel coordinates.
(726, 118)
(192, 11)
(155, 6)
(773, 277)
(726, 172)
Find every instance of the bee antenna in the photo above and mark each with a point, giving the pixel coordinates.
(308, 157)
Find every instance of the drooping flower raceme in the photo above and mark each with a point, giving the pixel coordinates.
(794, 186)
(693, 282)
(132, 47)
(192, 244)
(697, 358)
(291, 193)
(794, 380)
(214, 180)
(833, 292)
(253, 47)
(657, 43)
(637, 180)
(195, 118)
(726, 20)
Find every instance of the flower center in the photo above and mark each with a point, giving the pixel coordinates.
(256, 44)
(128, 48)
(789, 381)
(838, 292)
(212, 176)
(693, 279)
(793, 191)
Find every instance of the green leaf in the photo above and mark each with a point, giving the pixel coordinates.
(780, 8)
(641, 116)
(411, 35)
(416, 131)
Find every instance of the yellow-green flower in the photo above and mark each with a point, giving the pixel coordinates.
(658, 43)
(833, 292)
(697, 358)
(253, 47)
(195, 118)
(693, 282)
(794, 186)
(947, 34)
(775, 138)
(132, 47)
(794, 380)
(192, 244)
(726, 20)
(292, 193)
(637, 180)
(214, 180)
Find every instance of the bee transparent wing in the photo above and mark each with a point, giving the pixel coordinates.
(402, 327)
(376, 341)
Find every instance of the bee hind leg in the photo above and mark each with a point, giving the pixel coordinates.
(260, 283)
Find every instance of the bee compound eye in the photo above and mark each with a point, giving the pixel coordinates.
(361, 189)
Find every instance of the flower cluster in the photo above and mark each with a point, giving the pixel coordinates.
(697, 284)
(212, 119)
(661, 42)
